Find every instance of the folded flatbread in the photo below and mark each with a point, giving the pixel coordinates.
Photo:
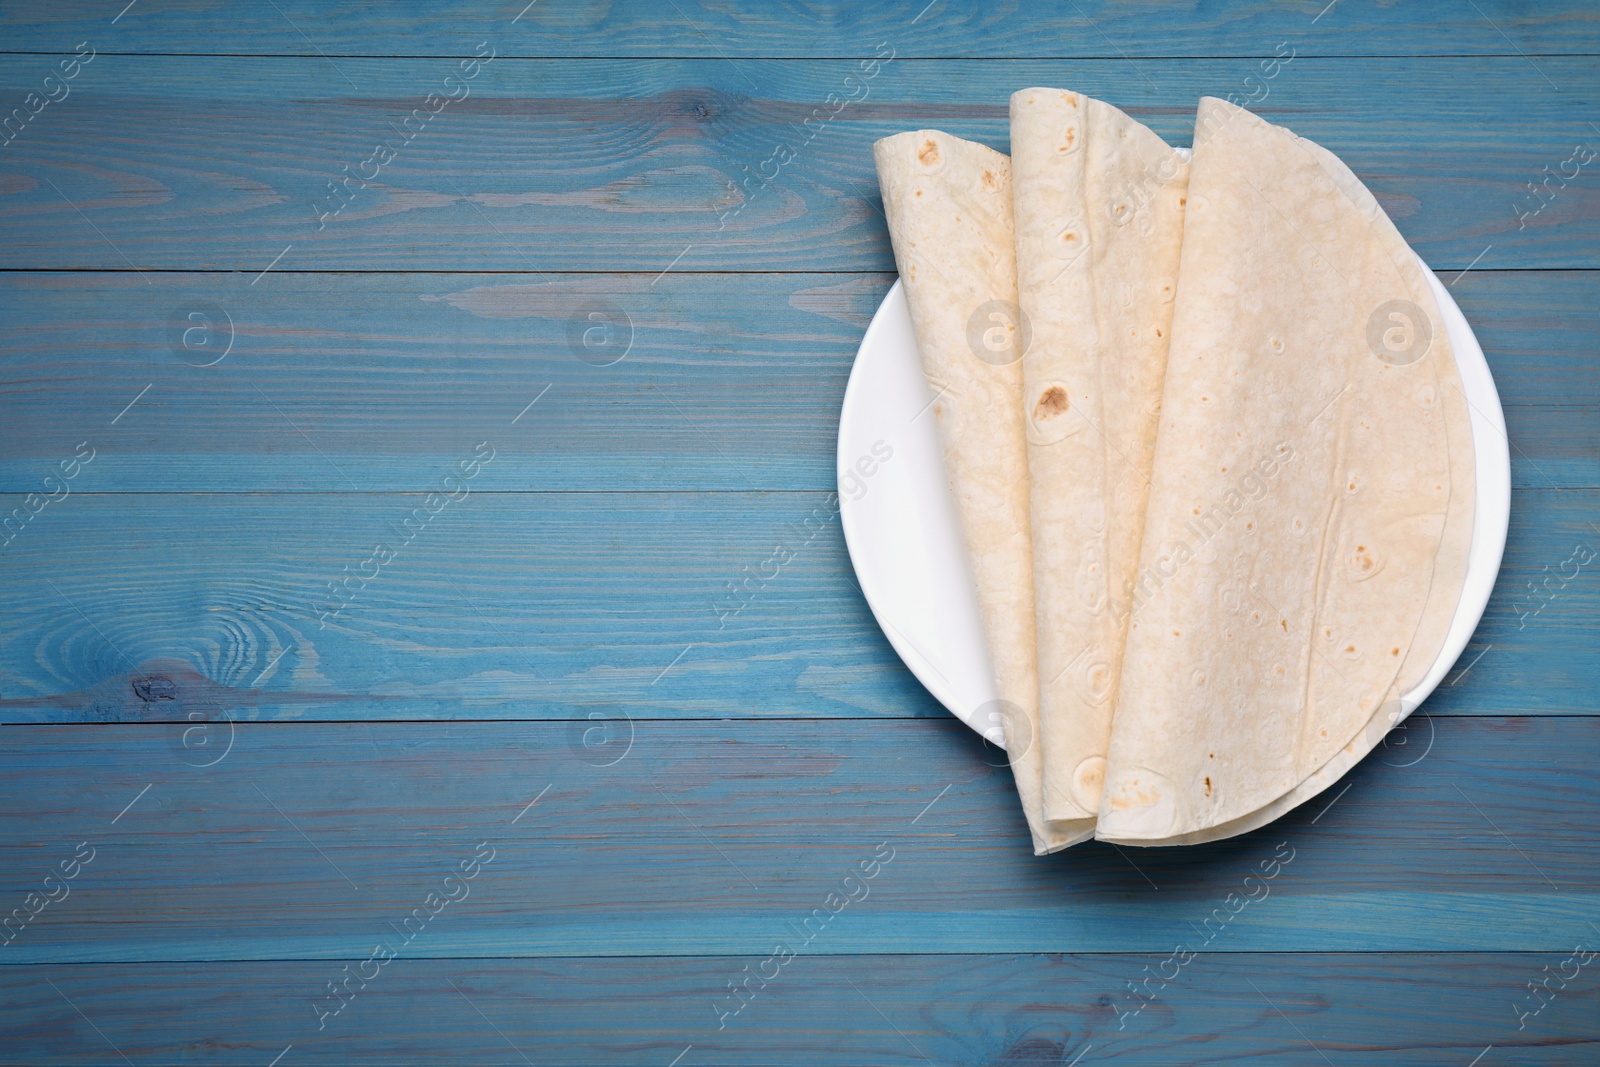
(948, 204)
(1449, 568)
(1099, 224)
(1310, 512)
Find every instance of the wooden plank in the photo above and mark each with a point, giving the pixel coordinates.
(384, 381)
(638, 165)
(724, 381)
(551, 606)
(699, 28)
(310, 841)
(1355, 1009)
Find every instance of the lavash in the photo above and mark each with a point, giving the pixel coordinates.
(1099, 223)
(1320, 476)
(948, 204)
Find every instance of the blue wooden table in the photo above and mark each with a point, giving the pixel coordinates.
(400, 409)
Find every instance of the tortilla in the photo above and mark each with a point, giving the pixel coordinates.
(1099, 223)
(1302, 490)
(948, 204)
(1449, 569)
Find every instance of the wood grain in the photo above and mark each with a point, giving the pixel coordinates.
(1302, 1010)
(669, 783)
(723, 381)
(509, 605)
(638, 165)
(310, 840)
(699, 28)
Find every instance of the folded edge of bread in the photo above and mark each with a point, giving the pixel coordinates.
(948, 203)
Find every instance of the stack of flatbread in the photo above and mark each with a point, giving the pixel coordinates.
(1210, 450)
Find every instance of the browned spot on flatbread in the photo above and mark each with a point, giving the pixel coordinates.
(928, 154)
(1051, 403)
(1208, 786)
(1132, 796)
(991, 180)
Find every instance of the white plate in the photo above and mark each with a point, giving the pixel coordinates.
(903, 532)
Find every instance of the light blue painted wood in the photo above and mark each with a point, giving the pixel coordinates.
(1344, 1009)
(307, 840)
(508, 605)
(725, 382)
(782, 744)
(628, 165)
(832, 28)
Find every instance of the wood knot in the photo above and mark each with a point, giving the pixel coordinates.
(155, 687)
